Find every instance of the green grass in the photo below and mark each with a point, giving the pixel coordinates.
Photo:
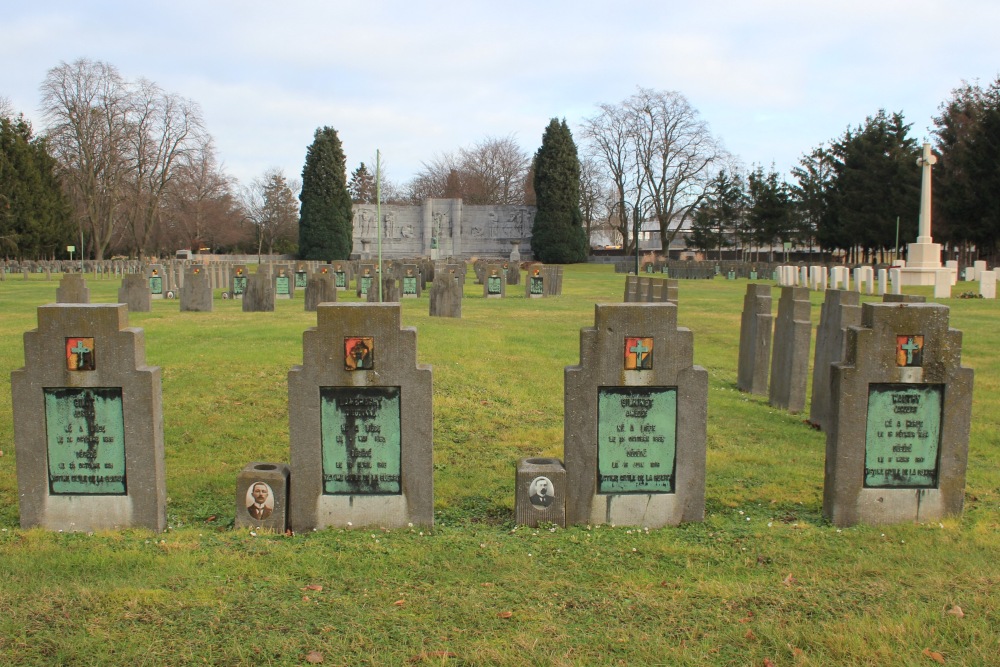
(763, 578)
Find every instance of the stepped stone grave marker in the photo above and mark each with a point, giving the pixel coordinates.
(258, 295)
(196, 293)
(360, 422)
(755, 340)
(446, 295)
(73, 289)
(841, 309)
(635, 420)
(88, 423)
(320, 289)
(135, 294)
(897, 447)
(790, 356)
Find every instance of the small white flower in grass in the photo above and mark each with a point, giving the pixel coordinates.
(349, 524)
(409, 525)
(770, 523)
(253, 534)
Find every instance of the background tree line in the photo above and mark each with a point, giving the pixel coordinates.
(125, 168)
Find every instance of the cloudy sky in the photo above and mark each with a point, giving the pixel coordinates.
(773, 78)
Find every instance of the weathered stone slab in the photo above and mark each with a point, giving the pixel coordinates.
(73, 289)
(196, 293)
(897, 447)
(258, 295)
(88, 423)
(320, 288)
(446, 295)
(841, 309)
(635, 420)
(755, 340)
(790, 357)
(360, 420)
(135, 293)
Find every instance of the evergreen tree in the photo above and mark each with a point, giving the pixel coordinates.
(557, 236)
(326, 217)
(34, 212)
(362, 186)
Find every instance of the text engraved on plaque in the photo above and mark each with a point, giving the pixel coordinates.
(903, 435)
(360, 440)
(85, 430)
(637, 433)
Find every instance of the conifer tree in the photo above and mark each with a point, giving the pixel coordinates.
(326, 217)
(557, 236)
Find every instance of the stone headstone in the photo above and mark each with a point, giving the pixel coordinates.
(73, 289)
(284, 287)
(262, 496)
(446, 295)
(534, 284)
(904, 298)
(238, 283)
(135, 294)
(196, 294)
(410, 286)
(258, 295)
(988, 284)
(540, 492)
(790, 356)
(635, 420)
(755, 340)
(320, 289)
(897, 446)
(360, 420)
(841, 309)
(495, 283)
(88, 423)
(942, 283)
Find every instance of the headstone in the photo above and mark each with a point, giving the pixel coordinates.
(88, 423)
(283, 285)
(319, 289)
(410, 282)
(258, 295)
(495, 284)
(360, 419)
(635, 420)
(755, 340)
(790, 357)
(239, 281)
(196, 294)
(135, 294)
(73, 289)
(942, 284)
(445, 295)
(157, 286)
(341, 277)
(262, 496)
(841, 309)
(896, 286)
(540, 492)
(534, 286)
(904, 298)
(898, 442)
(988, 284)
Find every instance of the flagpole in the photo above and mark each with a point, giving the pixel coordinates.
(378, 217)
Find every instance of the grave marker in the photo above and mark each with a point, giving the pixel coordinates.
(755, 340)
(88, 423)
(790, 356)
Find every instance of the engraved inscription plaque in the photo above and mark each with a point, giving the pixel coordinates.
(85, 429)
(361, 443)
(636, 431)
(903, 435)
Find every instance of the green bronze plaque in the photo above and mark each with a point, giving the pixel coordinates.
(340, 279)
(636, 435)
(409, 285)
(156, 285)
(281, 285)
(239, 284)
(493, 285)
(536, 285)
(366, 283)
(85, 429)
(360, 440)
(903, 436)
(301, 279)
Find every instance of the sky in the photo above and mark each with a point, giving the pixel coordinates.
(773, 79)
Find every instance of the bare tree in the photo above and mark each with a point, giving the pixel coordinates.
(86, 106)
(491, 172)
(6, 107)
(593, 187)
(165, 129)
(677, 154)
(199, 207)
(610, 143)
(271, 206)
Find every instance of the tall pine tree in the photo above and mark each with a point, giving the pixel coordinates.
(325, 219)
(557, 236)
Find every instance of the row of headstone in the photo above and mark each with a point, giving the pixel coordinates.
(89, 433)
(644, 289)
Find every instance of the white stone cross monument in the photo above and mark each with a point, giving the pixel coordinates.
(923, 258)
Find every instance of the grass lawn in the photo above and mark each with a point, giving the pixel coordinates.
(764, 580)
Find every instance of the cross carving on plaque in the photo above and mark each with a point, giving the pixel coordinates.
(910, 346)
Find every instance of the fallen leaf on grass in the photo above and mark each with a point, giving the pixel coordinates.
(768, 663)
(314, 657)
(486, 585)
(956, 611)
(789, 580)
(305, 598)
(312, 587)
(505, 614)
(211, 518)
(432, 654)
(750, 635)
(399, 603)
(934, 655)
(749, 617)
